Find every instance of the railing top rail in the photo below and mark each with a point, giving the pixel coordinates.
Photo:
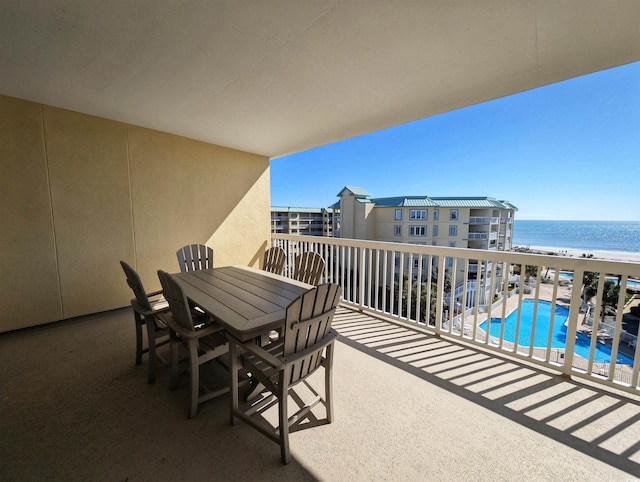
(561, 262)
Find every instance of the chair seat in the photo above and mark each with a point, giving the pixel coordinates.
(159, 305)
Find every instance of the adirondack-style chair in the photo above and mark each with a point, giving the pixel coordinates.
(274, 259)
(306, 346)
(308, 268)
(146, 308)
(194, 257)
(203, 339)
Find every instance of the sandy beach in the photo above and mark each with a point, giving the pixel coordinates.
(627, 257)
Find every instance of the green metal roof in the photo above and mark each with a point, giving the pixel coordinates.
(413, 201)
(444, 202)
(356, 191)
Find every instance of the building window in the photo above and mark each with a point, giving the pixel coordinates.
(417, 230)
(398, 214)
(435, 229)
(416, 263)
(436, 215)
(453, 230)
(397, 230)
(452, 244)
(453, 216)
(418, 214)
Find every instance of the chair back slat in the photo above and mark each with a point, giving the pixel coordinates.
(274, 259)
(308, 268)
(135, 283)
(308, 321)
(194, 257)
(178, 303)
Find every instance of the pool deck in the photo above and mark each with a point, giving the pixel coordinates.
(563, 298)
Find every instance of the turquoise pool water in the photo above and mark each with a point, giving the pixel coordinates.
(541, 334)
(631, 283)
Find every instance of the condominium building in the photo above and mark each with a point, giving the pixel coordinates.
(461, 222)
(306, 221)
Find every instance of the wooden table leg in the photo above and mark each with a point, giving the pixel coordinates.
(233, 372)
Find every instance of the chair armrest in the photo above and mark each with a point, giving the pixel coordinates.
(206, 331)
(261, 353)
(154, 293)
(167, 317)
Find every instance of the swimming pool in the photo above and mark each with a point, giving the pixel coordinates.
(631, 283)
(558, 336)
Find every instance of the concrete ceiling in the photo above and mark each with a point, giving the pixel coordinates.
(275, 77)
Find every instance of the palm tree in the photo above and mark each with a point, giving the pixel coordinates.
(530, 271)
(589, 285)
(610, 295)
(610, 292)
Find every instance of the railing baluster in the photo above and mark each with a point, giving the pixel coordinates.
(362, 266)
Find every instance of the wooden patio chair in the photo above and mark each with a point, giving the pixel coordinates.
(146, 308)
(308, 268)
(203, 339)
(274, 259)
(193, 257)
(307, 345)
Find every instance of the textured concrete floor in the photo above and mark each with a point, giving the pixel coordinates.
(408, 407)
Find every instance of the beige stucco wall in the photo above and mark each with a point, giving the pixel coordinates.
(384, 220)
(79, 193)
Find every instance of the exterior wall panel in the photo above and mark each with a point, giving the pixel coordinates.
(186, 192)
(81, 193)
(91, 208)
(29, 281)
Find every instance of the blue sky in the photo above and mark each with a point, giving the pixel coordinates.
(568, 151)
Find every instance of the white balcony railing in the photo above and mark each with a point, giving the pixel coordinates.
(527, 297)
(481, 220)
(478, 220)
(478, 236)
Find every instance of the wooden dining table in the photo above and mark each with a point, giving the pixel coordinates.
(247, 302)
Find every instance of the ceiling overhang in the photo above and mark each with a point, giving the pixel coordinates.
(276, 77)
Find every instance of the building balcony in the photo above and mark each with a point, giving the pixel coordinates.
(374, 274)
(478, 220)
(483, 220)
(410, 404)
(478, 236)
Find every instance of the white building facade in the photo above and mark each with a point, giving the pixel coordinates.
(306, 221)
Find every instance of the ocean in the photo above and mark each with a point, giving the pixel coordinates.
(623, 236)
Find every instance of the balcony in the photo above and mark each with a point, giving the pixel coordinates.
(478, 236)
(169, 169)
(374, 277)
(410, 405)
(483, 220)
